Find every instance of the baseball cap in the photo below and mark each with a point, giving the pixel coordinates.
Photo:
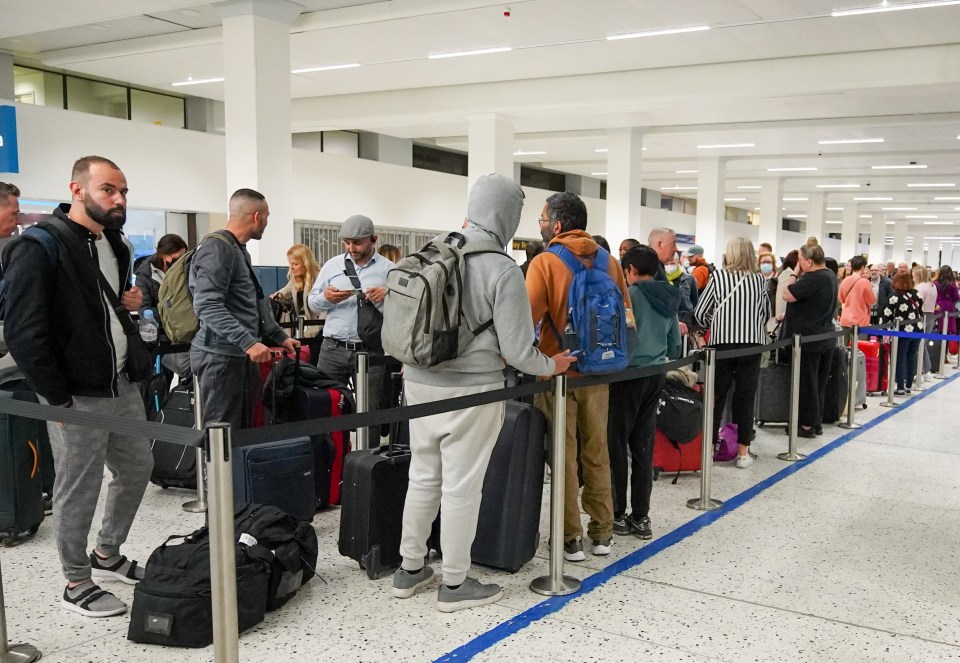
(695, 250)
(356, 226)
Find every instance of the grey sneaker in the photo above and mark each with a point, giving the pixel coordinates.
(89, 600)
(406, 584)
(573, 550)
(621, 526)
(470, 594)
(601, 548)
(117, 567)
(642, 528)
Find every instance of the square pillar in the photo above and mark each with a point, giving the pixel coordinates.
(878, 233)
(711, 210)
(771, 220)
(816, 209)
(625, 186)
(490, 146)
(849, 234)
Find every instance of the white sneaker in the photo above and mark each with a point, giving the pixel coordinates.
(601, 548)
(744, 461)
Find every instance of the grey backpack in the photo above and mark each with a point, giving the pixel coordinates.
(423, 321)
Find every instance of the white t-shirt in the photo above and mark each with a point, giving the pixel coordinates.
(110, 270)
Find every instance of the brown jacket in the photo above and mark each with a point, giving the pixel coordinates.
(549, 279)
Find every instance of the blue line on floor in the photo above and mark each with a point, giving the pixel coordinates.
(545, 608)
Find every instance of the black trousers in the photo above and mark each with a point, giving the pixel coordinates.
(631, 427)
(814, 372)
(744, 374)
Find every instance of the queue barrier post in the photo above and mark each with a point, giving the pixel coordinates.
(223, 558)
(791, 454)
(557, 584)
(941, 372)
(852, 381)
(13, 653)
(301, 325)
(705, 502)
(918, 378)
(198, 505)
(362, 384)
(892, 374)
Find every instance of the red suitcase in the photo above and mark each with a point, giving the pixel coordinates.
(683, 458)
(259, 415)
(876, 379)
(329, 449)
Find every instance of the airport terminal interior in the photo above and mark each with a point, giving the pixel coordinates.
(773, 120)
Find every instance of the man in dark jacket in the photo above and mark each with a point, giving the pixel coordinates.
(70, 344)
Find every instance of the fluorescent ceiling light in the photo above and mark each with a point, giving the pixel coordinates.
(717, 146)
(598, 174)
(885, 7)
(921, 216)
(330, 67)
(899, 209)
(798, 199)
(890, 223)
(678, 188)
(657, 33)
(521, 153)
(751, 186)
(833, 223)
(921, 184)
(684, 172)
(797, 216)
(907, 166)
(866, 216)
(476, 51)
(850, 141)
(838, 186)
(734, 200)
(946, 197)
(789, 170)
(601, 149)
(834, 209)
(877, 198)
(938, 223)
(199, 81)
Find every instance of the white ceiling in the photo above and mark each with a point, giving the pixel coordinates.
(782, 74)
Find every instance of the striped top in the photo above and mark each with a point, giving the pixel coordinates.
(739, 318)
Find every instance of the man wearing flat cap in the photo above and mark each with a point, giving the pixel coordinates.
(336, 291)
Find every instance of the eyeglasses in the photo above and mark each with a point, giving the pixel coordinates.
(543, 220)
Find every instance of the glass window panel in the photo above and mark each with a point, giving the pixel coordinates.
(32, 86)
(95, 97)
(152, 108)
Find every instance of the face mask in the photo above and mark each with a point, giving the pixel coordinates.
(686, 265)
(766, 268)
(672, 269)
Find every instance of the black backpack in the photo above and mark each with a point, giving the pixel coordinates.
(679, 413)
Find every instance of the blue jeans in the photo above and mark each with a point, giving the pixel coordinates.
(907, 362)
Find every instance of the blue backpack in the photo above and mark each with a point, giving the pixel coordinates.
(596, 319)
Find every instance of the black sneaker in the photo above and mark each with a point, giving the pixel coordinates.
(622, 526)
(818, 430)
(573, 550)
(641, 527)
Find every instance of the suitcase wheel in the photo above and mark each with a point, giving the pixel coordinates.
(656, 473)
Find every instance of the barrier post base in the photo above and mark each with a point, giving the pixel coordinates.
(793, 457)
(20, 654)
(700, 504)
(889, 404)
(546, 586)
(852, 426)
(194, 506)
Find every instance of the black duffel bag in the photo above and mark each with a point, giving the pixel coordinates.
(171, 605)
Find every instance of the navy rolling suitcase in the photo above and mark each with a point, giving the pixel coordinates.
(835, 394)
(175, 465)
(21, 484)
(279, 474)
(508, 527)
(371, 511)
(773, 395)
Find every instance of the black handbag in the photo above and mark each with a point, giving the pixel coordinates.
(369, 317)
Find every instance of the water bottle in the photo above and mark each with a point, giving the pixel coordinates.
(148, 327)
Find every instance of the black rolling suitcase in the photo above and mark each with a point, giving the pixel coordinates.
(773, 395)
(175, 465)
(278, 474)
(835, 394)
(21, 483)
(371, 508)
(508, 527)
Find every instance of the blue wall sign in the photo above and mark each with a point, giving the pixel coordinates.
(9, 158)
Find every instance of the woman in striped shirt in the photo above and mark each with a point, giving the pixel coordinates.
(735, 307)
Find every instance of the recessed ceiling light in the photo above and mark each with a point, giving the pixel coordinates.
(886, 7)
(751, 186)
(198, 81)
(834, 209)
(657, 33)
(717, 146)
(734, 200)
(521, 153)
(921, 216)
(678, 188)
(598, 174)
(685, 172)
(899, 209)
(938, 223)
(922, 184)
(833, 223)
(798, 199)
(876, 198)
(907, 166)
(838, 186)
(797, 216)
(790, 169)
(866, 216)
(329, 67)
(850, 141)
(601, 149)
(476, 51)
(946, 197)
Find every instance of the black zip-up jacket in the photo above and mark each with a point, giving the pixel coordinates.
(57, 322)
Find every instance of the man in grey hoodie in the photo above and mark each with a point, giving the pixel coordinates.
(451, 451)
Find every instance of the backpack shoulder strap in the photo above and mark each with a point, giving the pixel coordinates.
(44, 237)
(568, 257)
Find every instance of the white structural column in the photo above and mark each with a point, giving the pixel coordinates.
(256, 59)
(878, 233)
(711, 210)
(624, 186)
(771, 220)
(849, 233)
(490, 146)
(900, 241)
(816, 209)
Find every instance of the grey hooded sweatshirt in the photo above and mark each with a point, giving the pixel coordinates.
(493, 289)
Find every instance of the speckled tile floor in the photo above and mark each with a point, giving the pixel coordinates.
(852, 557)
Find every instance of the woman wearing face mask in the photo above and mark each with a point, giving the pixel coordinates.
(767, 264)
(149, 274)
(688, 290)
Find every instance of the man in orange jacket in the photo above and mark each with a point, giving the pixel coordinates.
(564, 221)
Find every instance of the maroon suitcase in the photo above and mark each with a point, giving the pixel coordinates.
(330, 448)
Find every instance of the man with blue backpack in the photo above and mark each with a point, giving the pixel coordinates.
(578, 292)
